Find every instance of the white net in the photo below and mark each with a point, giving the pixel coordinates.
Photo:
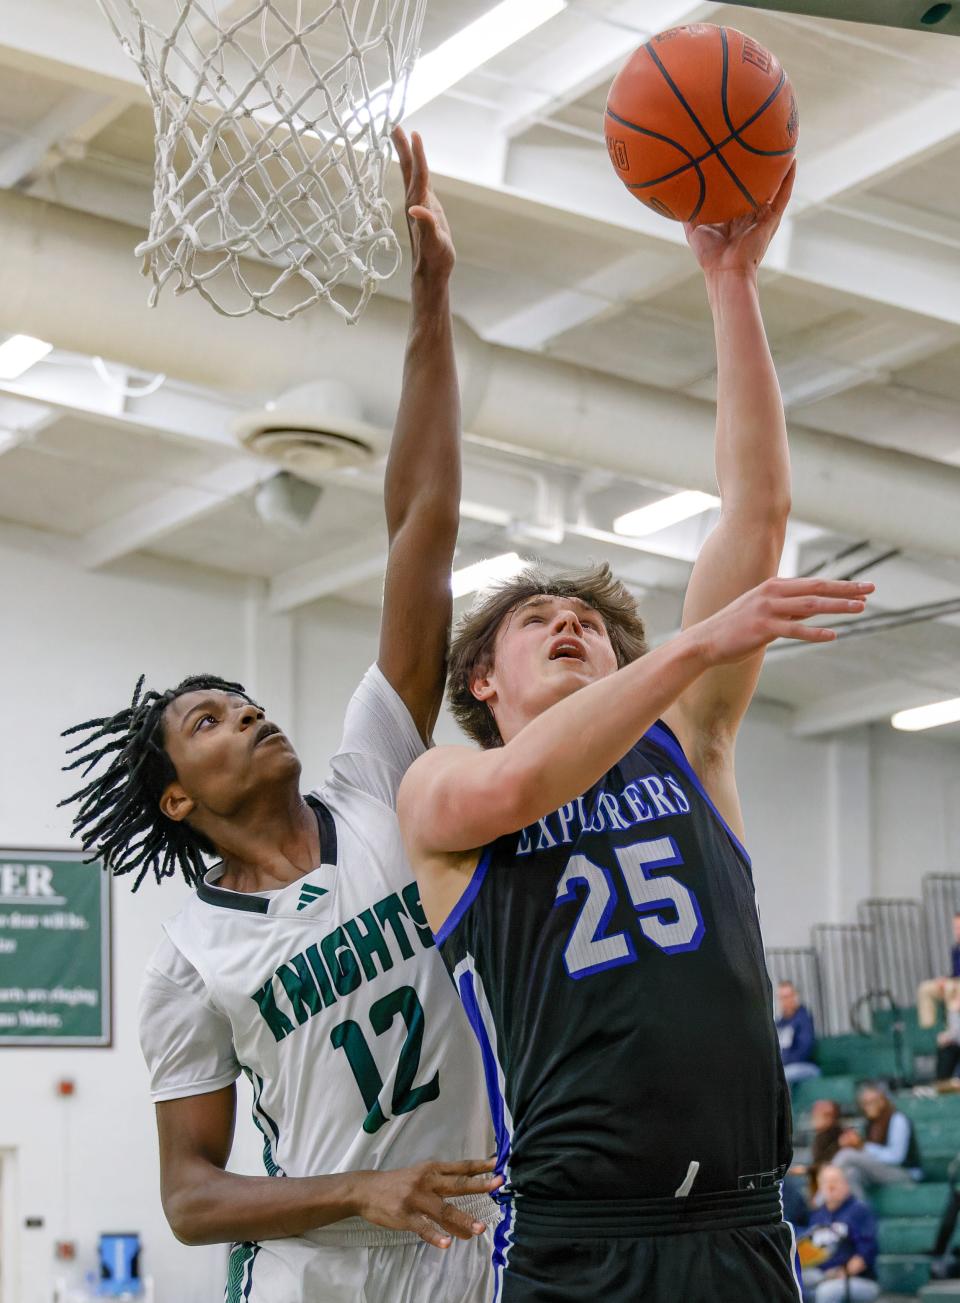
(273, 120)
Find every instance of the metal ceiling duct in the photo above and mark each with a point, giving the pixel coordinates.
(70, 278)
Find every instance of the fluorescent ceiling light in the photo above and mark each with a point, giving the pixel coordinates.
(667, 511)
(19, 353)
(470, 578)
(473, 45)
(938, 712)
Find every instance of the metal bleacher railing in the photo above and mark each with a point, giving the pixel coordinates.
(848, 971)
(900, 947)
(941, 900)
(895, 945)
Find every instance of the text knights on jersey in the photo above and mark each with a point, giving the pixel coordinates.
(643, 801)
(361, 949)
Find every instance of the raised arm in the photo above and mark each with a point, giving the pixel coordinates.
(753, 473)
(422, 486)
(205, 1204)
(453, 800)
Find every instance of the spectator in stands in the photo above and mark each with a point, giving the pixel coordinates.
(887, 1154)
(948, 1051)
(945, 989)
(797, 1039)
(827, 1129)
(841, 1245)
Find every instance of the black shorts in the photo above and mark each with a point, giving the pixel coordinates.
(726, 1248)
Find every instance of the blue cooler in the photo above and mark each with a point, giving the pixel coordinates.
(119, 1265)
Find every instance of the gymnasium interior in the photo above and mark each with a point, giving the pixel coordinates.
(182, 491)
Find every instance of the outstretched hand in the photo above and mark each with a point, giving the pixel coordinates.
(430, 240)
(740, 245)
(777, 608)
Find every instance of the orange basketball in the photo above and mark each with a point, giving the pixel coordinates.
(702, 124)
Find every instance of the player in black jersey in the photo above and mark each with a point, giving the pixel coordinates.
(586, 881)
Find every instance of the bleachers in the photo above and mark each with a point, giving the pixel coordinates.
(908, 1215)
(860, 978)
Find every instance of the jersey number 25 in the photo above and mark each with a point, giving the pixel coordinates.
(591, 948)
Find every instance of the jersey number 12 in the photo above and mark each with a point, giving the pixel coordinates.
(349, 1037)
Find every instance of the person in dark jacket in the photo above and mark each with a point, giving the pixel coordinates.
(797, 1038)
(839, 1246)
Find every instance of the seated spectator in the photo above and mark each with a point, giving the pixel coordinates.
(797, 1040)
(948, 1051)
(945, 989)
(887, 1154)
(839, 1247)
(827, 1130)
(824, 1143)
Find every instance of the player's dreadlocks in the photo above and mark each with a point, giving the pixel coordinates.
(119, 815)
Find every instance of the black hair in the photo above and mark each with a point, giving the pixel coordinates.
(119, 816)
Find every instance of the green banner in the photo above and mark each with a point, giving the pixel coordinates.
(54, 950)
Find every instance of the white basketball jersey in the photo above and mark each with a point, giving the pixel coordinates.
(329, 993)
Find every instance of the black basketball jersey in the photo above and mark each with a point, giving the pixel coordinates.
(610, 962)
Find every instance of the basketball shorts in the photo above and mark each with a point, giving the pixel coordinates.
(298, 1271)
(717, 1249)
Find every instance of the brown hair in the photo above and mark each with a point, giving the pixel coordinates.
(475, 634)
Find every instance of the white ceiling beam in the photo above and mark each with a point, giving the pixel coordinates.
(333, 573)
(144, 526)
(828, 361)
(76, 118)
(178, 411)
(869, 704)
(583, 61)
(871, 263)
(635, 278)
(889, 145)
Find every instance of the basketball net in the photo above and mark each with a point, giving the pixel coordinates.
(272, 143)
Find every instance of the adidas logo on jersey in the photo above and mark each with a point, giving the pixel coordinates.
(308, 895)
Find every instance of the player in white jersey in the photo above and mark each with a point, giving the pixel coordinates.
(303, 958)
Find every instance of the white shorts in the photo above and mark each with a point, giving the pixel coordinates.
(294, 1271)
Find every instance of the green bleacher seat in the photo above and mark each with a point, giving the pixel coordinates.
(900, 1235)
(833, 1052)
(938, 1134)
(841, 1088)
(902, 1273)
(921, 1108)
(927, 1199)
(936, 1163)
(922, 1040)
(858, 1056)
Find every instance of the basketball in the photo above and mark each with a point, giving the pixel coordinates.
(702, 124)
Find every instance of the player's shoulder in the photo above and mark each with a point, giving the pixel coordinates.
(168, 967)
(437, 761)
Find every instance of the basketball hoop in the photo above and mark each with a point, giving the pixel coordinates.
(273, 138)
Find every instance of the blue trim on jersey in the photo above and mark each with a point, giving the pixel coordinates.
(502, 1242)
(468, 897)
(663, 738)
(468, 998)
